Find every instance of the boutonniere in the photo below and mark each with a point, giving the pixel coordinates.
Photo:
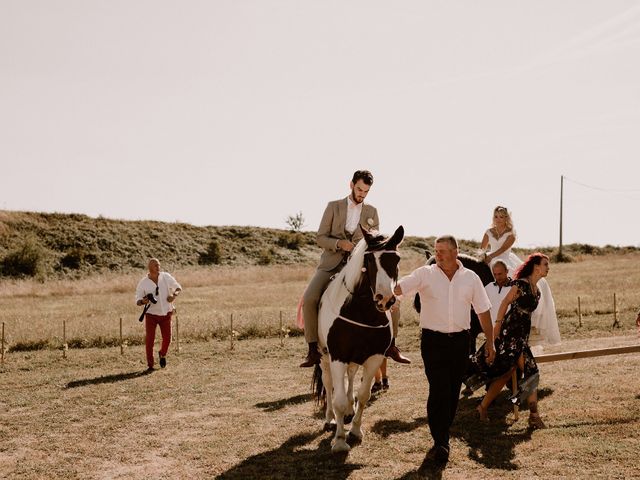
(370, 222)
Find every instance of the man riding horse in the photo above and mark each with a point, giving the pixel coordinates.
(338, 234)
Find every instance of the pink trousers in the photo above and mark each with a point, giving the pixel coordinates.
(151, 321)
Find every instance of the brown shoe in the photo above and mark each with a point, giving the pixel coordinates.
(313, 357)
(393, 352)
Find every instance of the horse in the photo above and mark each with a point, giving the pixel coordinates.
(484, 272)
(354, 328)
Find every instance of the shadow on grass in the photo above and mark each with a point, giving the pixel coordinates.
(428, 470)
(108, 379)
(293, 459)
(279, 404)
(492, 444)
(386, 428)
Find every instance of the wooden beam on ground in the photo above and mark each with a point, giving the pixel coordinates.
(554, 357)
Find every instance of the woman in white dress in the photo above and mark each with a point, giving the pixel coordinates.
(499, 239)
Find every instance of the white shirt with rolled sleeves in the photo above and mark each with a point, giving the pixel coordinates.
(446, 304)
(166, 286)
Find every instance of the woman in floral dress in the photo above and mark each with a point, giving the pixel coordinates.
(511, 333)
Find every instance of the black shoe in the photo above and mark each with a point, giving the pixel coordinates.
(385, 383)
(313, 357)
(439, 454)
(163, 361)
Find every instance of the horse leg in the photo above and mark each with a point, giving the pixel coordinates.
(340, 405)
(369, 369)
(328, 387)
(351, 375)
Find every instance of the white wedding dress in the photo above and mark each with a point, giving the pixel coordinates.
(544, 322)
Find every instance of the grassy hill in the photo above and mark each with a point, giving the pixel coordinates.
(44, 245)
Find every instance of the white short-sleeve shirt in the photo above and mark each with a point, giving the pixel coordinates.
(496, 294)
(166, 286)
(446, 304)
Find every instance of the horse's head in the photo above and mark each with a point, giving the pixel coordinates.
(381, 266)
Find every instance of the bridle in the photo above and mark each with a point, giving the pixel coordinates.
(371, 286)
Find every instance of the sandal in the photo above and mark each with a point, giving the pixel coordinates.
(535, 421)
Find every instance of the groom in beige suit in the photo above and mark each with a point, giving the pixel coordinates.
(338, 234)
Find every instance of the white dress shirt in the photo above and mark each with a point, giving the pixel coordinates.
(354, 210)
(446, 304)
(496, 294)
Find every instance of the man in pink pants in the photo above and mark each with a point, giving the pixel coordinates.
(161, 289)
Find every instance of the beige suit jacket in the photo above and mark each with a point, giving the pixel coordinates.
(332, 229)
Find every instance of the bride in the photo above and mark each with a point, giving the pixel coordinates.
(499, 239)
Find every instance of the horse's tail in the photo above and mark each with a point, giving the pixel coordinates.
(317, 387)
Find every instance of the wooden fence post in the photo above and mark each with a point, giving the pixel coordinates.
(64, 339)
(121, 344)
(177, 333)
(2, 342)
(231, 335)
(615, 313)
(579, 313)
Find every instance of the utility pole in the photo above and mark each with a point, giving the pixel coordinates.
(561, 189)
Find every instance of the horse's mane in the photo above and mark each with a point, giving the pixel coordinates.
(461, 256)
(349, 276)
(469, 258)
(472, 263)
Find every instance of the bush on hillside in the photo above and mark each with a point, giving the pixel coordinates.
(291, 240)
(75, 257)
(266, 256)
(26, 260)
(213, 254)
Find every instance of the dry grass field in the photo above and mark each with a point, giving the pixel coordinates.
(33, 312)
(247, 413)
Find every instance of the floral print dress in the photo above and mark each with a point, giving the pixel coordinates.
(512, 342)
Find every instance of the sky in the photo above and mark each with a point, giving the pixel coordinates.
(244, 112)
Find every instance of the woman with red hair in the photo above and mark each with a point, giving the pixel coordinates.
(511, 336)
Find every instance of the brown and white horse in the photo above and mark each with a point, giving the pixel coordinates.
(354, 326)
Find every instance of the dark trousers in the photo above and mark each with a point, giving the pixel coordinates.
(445, 360)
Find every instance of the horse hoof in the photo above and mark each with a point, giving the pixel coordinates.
(348, 418)
(340, 446)
(329, 427)
(354, 438)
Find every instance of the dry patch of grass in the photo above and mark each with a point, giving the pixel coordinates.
(247, 413)
(256, 296)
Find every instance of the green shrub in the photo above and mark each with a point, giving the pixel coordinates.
(26, 260)
(266, 257)
(291, 240)
(212, 255)
(557, 257)
(73, 258)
